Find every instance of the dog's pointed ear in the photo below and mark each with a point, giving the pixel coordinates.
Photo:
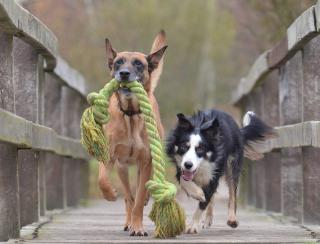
(154, 58)
(210, 126)
(183, 122)
(111, 53)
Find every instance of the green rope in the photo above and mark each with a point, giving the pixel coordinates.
(166, 213)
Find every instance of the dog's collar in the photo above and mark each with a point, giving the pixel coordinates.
(129, 112)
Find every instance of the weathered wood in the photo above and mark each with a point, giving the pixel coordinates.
(25, 75)
(6, 82)
(102, 222)
(302, 29)
(70, 113)
(278, 54)
(311, 101)
(311, 185)
(9, 197)
(18, 131)
(54, 181)
(273, 182)
(73, 181)
(28, 171)
(271, 169)
(259, 167)
(290, 85)
(19, 22)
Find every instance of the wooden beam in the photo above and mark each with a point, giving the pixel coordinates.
(296, 135)
(25, 134)
(303, 29)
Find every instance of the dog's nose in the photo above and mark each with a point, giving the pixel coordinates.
(124, 74)
(188, 165)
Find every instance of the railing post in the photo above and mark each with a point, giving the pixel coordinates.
(71, 128)
(290, 101)
(25, 75)
(272, 160)
(311, 111)
(258, 171)
(9, 197)
(55, 197)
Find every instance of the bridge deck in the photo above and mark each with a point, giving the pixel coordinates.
(101, 222)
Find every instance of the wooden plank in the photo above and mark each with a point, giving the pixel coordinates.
(302, 29)
(9, 197)
(6, 82)
(102, 222)
(26, 80)
(259, 170)
(70, 113)
(19, 22)
(54, 181)
(73, 181)
(28, 171)
(270, 163)
(291, 87)
(311, 99)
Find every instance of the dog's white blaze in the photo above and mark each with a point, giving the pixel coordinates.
(191, 155)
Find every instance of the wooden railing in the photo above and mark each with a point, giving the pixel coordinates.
(283, 87)
(42, 164)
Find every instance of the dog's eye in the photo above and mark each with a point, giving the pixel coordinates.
(183, 148)
(137, 63)
(200, 150)
(119, 62)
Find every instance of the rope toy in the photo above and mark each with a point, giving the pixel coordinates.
(166, 213)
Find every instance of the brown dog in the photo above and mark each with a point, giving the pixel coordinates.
(126, 132)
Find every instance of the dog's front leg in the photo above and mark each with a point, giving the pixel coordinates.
(136, 227)
(108, 192)
(128, 198)
(192, 189)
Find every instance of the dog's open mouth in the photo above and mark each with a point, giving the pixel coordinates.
(188, 175)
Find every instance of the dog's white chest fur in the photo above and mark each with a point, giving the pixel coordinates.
(204, 173)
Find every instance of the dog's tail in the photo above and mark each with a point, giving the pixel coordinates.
(159, 42)
(253, 132)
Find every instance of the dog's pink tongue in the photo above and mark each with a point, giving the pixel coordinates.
(187, 175)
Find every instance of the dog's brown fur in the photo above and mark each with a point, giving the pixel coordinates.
(127, 135)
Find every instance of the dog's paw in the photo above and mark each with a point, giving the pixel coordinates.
(193, 229)
(207, 222)
(133, 232)
(233, 223)
(110, 195)
(126, 227)
(199, 195)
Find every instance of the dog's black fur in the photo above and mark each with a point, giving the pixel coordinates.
(221, 137)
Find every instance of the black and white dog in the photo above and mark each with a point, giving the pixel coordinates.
(206, 146)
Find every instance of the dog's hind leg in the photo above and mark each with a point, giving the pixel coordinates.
(108, 192)
(122, 170)
(232, 177)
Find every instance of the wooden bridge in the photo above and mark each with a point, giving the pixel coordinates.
(44, 170)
